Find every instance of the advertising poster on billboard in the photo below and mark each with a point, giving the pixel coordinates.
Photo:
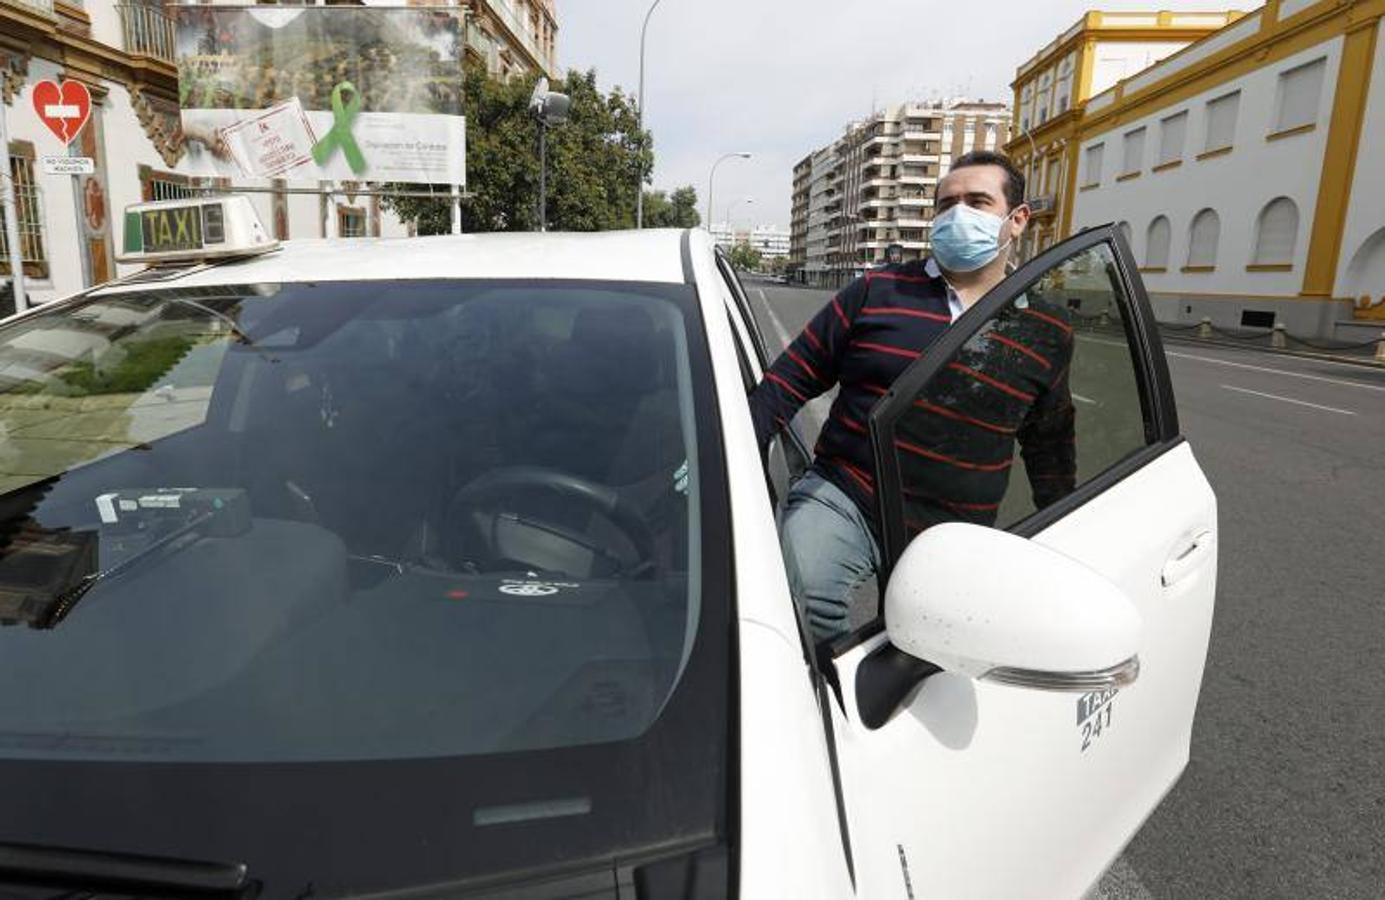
(313, 93)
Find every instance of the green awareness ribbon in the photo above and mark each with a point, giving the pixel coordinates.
(343, 114)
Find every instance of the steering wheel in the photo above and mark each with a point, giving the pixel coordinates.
(545, 542)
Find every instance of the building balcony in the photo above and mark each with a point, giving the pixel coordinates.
(1043, 205)
(483, 45)
(147, 31)
(42, 7)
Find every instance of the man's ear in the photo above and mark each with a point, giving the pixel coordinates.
(1019, 220)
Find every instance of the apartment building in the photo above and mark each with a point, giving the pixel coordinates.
(124, 54)
(513, 37)
(770, 241)
(1245, 171)
(1052, 88)
(798, 217)
(873, 187)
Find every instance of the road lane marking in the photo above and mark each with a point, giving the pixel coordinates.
(1285, 372)
(1345, 412)
(1120, 882)
(1081, 399)
(774, 320)
(817, 409)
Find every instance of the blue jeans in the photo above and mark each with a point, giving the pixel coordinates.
(828, 551)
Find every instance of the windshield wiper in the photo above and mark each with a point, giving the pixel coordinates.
(96, 870)
(62, 604)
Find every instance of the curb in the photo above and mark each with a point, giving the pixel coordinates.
(1364, 362)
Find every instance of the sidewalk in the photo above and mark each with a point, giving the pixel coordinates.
(1361, 353)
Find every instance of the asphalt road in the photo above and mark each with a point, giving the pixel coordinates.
(1285, 794)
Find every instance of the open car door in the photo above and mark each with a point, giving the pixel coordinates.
(1030, 696)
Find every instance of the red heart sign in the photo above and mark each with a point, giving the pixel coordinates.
(63, 108)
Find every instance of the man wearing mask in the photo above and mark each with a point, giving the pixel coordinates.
(861, 341)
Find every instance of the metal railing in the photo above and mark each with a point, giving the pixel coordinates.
(502, 11)
(148, 30)
(480, 41)
(26, 201)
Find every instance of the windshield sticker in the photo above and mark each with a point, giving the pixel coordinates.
(535, 588)
(1094, 715)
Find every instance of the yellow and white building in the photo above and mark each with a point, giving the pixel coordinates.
(1053, 86)
(1247, 171)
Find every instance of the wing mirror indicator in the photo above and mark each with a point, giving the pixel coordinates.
(995, 606)
(1118, 676)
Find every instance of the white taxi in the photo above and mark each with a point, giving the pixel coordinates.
(447, 567)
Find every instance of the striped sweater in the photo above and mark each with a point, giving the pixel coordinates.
(956, 445)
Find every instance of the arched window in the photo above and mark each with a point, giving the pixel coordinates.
(1128, 233)
(1157, 240)
(1203, 237)
(1276, 233)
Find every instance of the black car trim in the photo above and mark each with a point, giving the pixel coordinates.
(100, 871)
(730, 824)
(685, 252)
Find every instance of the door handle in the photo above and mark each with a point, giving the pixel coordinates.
(1187, 557)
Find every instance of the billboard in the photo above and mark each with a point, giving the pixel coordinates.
(312, 93)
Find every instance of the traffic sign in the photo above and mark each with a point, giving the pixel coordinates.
(64, 108)
(68, 165)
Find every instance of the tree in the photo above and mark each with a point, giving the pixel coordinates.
(677, 211)
(744, 256)
(593, 161)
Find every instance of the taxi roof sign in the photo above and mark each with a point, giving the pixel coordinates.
(193, 229)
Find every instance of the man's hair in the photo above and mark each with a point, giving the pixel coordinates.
(1014, 178)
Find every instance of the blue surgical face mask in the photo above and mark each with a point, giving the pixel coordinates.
(966, 239)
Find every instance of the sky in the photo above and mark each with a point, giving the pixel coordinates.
(780, 78)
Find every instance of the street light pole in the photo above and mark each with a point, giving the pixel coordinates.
(711, 180)
(548, 108)
(639, 121)
(732, 205)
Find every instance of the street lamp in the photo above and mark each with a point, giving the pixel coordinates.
(711, 179)
(549, 108)
(747, 200)
(639, 120)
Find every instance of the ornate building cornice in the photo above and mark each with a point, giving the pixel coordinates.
(158, 116)
(14, 69)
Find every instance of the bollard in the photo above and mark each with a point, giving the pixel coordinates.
(1280, 339)
(1380, 348)
(1204, 328)
(1105, 320)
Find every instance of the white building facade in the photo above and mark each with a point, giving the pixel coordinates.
(1247, 172)
(123, 53)
(770, 241)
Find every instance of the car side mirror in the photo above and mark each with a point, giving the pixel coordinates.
(994, 606)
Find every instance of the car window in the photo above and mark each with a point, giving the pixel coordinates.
(351, 520)
(1043, 397)
(743, 314)
(748, 376)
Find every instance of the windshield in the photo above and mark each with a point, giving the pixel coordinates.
(408, 558)
(346, 521)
